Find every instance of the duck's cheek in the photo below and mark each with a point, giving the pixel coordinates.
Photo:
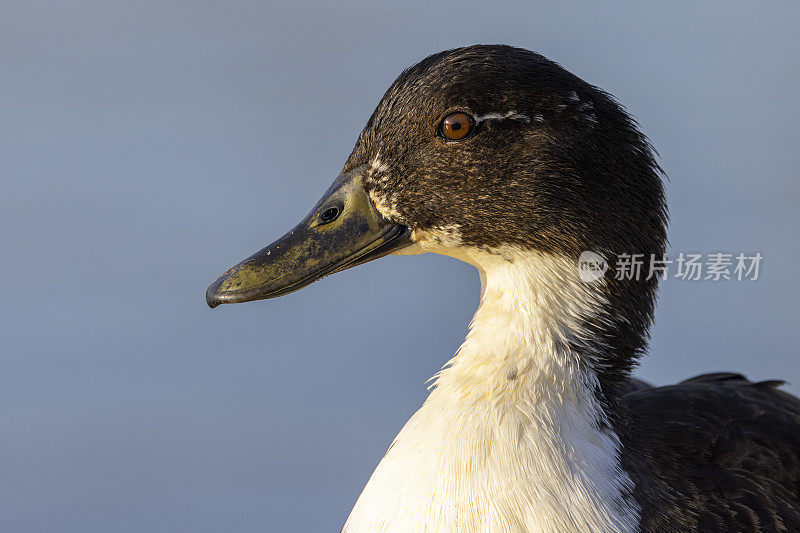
(386, 204)
(443, 240)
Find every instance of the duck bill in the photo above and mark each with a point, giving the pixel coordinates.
(343, 230)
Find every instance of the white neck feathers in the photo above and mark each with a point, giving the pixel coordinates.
(512, 437)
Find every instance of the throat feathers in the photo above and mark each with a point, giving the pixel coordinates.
(513, 436)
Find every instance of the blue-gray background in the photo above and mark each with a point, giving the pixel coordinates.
(147, 146)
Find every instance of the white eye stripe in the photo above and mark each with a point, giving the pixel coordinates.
(511, 115)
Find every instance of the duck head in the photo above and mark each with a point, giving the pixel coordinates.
(481, 150)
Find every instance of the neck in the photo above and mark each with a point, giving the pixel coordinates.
(513, 434)
(529, 333)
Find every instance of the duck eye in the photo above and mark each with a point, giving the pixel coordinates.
(329, 215)
(456, 126)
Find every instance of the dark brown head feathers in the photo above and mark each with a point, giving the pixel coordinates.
(554, 164)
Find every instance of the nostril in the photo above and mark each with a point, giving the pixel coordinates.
(329, 215)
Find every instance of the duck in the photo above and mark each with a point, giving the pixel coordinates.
(503, 159)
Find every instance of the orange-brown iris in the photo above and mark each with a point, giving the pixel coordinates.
(456, 126)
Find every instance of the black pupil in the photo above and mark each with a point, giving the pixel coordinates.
(329, 214)
(456, 126)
